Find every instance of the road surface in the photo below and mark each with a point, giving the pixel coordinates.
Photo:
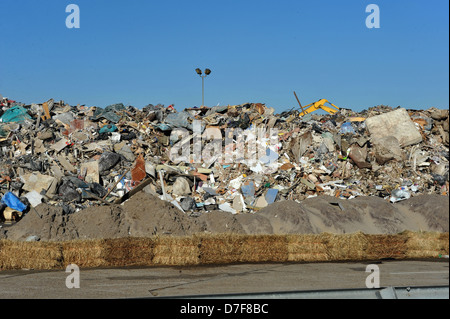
(210, 280)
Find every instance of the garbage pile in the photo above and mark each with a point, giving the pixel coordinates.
(76, 157)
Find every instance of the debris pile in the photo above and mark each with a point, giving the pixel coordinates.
(76, 157)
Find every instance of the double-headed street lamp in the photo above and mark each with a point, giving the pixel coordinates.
(199, 72)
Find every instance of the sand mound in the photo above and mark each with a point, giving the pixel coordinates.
(370, 215)
(145, 215)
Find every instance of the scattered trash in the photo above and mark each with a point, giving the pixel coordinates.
(399, 194)
(15, 114)
(347, 128)
(79, 156)
(33, 238)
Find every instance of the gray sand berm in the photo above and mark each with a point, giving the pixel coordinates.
(145, 215)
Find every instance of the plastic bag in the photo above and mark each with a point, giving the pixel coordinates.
(107, 161)
(399, 194)
(13, 202)
(15, 114)
(108, 128)
(347, 128)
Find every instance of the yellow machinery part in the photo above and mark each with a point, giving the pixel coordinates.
(319, 105)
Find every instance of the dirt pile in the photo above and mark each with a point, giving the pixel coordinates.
(370, 215)
(146, 215)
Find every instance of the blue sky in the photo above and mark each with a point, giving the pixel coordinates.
(140, 52)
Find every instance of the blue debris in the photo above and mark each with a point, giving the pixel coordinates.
(12, 201)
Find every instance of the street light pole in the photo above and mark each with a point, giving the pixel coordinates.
(203, 90)
(199, 72)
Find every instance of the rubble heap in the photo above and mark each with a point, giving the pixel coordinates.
(76, 157)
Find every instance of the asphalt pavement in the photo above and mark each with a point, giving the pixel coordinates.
(76, 283)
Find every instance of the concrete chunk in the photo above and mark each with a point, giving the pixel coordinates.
(387, 148)
(397, 123)
(181, 187)
(58, 146)
(66, 164)
(37, 182)
(91, 170)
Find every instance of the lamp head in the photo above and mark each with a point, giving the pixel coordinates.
(199, 72)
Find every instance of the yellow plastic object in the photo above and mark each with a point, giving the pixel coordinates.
(357, 119)
(319, 105)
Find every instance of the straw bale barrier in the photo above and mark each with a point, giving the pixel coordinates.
(84, 253)
(129, 251)
(202, 249)
(431, 244)
(357, 246)
(233, 248)
(30, 255)
(176, 251)
(118, 252)
(306, 248)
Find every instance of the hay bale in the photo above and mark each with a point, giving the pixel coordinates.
(176, 250)
(121, 252)
(264, 248)
(84, 253)
(117, 252)
(386, 246)
(345, 246)
(232, 248)
(427, 244)
(444, 240)
(306, 248)
(219, 249)
(30, 255)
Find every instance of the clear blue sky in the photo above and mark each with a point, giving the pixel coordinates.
(139, 52)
